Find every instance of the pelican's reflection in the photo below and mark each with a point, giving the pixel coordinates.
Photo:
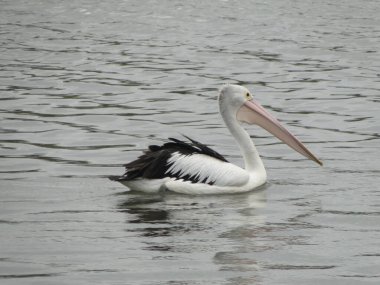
(178, 224)
(146, 211)
(242, 236)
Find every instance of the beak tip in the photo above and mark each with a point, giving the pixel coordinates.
(319, 162)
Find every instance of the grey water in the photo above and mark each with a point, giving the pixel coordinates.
(85, 86)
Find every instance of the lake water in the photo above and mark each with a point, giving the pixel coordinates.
(86, 85)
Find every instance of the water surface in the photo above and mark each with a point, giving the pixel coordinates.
(86, 85)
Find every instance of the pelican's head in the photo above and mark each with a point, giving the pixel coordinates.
(238, 101)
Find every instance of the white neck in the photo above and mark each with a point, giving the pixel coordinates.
(252, 160)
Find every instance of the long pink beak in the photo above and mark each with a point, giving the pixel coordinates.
(253, 113)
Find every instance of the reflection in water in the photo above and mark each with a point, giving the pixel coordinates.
(195, 219)
(154, 220)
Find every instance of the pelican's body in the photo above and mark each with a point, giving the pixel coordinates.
(193, 168)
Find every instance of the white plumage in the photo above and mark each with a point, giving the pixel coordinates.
(207, 169)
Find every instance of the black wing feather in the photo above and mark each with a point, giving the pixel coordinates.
(153, 163)
(206, 150)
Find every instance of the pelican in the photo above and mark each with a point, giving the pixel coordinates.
(191, 167)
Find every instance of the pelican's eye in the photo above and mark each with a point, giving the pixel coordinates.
(248, 96)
